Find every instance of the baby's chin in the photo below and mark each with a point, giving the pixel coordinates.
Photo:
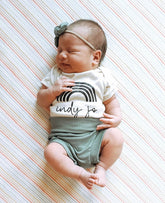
(66, 68)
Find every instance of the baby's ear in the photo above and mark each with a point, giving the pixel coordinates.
(96, 57)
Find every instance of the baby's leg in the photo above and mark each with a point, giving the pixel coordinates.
(57, 157)
(111, 148)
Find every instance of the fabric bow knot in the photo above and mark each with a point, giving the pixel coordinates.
(59, 30)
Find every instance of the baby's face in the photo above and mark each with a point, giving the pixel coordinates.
(73, 55)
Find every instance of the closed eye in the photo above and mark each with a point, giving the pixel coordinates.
(72, 51)
(59, 50)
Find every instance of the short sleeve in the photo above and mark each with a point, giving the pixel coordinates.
(51, 77)
(46, 80)
(110, 84)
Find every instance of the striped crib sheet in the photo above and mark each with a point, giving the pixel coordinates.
(135, 31)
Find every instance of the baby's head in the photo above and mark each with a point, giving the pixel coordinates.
(89, 31)
(92, 32)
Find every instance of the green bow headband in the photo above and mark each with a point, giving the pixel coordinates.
(62, 28)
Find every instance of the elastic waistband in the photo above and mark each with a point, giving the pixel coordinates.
(73, 124)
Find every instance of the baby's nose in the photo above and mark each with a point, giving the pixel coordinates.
(63, 55)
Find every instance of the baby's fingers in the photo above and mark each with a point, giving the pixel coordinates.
(103, 126)
(106, 120)
(67, 81)
(68, 84)
(106, 115)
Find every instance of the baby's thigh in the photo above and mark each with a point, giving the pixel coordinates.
(112, 136)
(54, 149)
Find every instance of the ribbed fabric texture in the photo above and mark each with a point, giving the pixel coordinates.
(135, 31)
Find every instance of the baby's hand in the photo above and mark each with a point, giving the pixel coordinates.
(109, 121)
(61, 85)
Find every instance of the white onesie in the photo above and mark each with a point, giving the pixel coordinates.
(91, 89)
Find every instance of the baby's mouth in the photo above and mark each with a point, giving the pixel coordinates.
(65, 64)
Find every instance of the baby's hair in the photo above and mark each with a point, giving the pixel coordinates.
(96, 35)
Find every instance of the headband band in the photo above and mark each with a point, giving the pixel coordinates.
(62, 28)
(82, 38)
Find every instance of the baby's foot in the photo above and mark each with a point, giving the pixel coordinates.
(101, 174)
(88, 179)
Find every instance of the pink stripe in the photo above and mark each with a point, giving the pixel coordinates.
(8, 67)
(18, 168)
(134, 188)
(143, 180)
(139, 133)
(21, 127)
(118, 195)
(140, 155)
(53, 21)
(135, 84)
(12, 185)
(34, 160)
(1, 198)
(13, 3)
(146, 18)
(135, 32)
(122, 44)
(26, 39)
(159, 6)
(14, 143)
(47, 14)
(125, 73)
(24, 108)
(134, 56)
(8, 44)
(149, 99)
(144, 64)
(120, 177)
(64, 9)
(43, 169)
(95, 195)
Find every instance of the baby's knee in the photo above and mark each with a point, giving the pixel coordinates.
(114, 137)
(47, 152)
(54, 151)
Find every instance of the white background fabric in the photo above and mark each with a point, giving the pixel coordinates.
(136, 55)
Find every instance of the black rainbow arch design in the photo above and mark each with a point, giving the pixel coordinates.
(84, 88)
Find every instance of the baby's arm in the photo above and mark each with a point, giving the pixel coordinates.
(47, 95)
(112, 115)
